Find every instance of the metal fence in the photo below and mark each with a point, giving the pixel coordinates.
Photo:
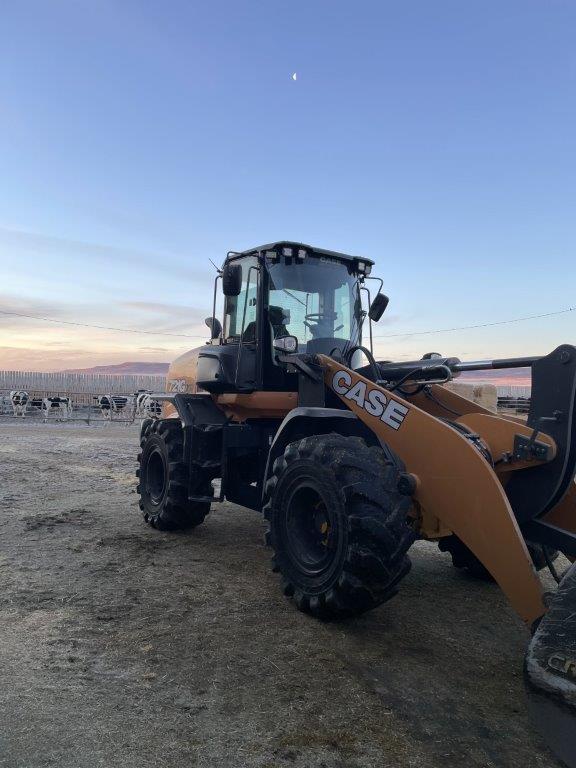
(81, 407)
(514, 391)
(83, 383)
(519, 406)
(83, 390)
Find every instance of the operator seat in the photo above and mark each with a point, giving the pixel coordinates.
(276, 317)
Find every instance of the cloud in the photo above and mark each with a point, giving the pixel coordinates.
(38, 359)
(390, 320)
(14, 240)
(157, 307)
(42, 359)
(165, 317)
(28, 305)
(151, 317)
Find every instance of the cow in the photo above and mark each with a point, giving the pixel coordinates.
(59, 407)
(19, 400)
(110, 404)
(146, 407)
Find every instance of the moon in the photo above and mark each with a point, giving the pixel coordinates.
(294, 76)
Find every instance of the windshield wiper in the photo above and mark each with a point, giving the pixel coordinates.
(294, 297)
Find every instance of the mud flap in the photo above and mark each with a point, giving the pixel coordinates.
(550, 672)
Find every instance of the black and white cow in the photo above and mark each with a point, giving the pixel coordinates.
(19, 400)
(146, 407)
(56, 407)
(110, 404)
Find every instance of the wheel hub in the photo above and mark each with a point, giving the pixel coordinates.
(156, 477)
(309, 530)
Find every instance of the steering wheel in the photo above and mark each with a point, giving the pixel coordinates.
(317, 318)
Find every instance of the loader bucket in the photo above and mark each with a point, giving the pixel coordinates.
(550, 672)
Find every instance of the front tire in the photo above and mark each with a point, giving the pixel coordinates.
(164, 479)
(338, 525)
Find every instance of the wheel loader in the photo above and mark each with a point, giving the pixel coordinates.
(351, 459)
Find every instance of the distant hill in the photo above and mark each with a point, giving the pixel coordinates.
(149, 369)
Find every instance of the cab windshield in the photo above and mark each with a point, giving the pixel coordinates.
(316, 300)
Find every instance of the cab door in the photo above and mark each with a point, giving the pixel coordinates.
(241, 322)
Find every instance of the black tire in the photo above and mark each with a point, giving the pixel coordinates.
(163, 486)
(463, 558)
(338, 525)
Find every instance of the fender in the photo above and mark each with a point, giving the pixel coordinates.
(305, 421)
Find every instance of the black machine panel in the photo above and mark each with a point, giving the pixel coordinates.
(533, 492)
(227, 368)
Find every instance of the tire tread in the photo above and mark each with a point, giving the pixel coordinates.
(377, 520)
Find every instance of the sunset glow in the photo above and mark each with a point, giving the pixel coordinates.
(124, 173)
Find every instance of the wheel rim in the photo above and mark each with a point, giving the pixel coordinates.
(309, 530)
(156, 477)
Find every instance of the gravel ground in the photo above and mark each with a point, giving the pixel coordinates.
(122, 646)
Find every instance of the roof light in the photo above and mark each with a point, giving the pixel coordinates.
(287, 251)
(363, 267)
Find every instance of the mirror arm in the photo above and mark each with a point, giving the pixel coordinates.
(379, 279)
(378, 292)
(365, 288)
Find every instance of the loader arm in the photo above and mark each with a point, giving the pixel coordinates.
(457, 485)
(454, 482)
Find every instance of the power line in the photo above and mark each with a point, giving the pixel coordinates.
(193, 336)
(478, 325)
(101, 327)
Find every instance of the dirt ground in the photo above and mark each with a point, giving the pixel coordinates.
(122, 646)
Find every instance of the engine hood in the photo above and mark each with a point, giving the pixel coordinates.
(181, 375)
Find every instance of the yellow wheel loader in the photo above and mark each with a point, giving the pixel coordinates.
(351, 459)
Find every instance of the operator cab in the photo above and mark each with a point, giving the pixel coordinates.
(281, 296)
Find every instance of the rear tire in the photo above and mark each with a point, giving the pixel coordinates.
(338, 525)
(163, 475)
(464, 558)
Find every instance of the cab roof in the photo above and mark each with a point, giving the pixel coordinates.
(292, 244)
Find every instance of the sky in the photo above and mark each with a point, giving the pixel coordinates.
(139, 139)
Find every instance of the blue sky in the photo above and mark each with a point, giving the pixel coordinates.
(140, 139)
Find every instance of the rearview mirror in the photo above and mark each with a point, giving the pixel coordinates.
(215, 327)
(231, 279)
(378, 307)
(287, 344)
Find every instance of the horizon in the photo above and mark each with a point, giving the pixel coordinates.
(519, 377)
(137, 144)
